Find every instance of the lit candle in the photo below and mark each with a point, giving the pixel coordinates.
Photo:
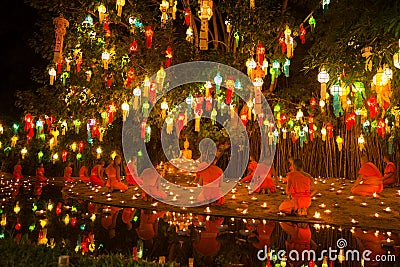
(233, 197)
(208, 210)
(332, 189)
(350, 198)
(253, 198)
(244, 211)
(363, 204)
(376, 215)
(339, 192)
(336, 205)
(387, 209)
(382, 203)
(354, 221)
(328, 211)
(374, 195)
(322, 206)
(264, 205)
(317, 215)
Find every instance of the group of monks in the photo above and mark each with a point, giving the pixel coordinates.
(299, 183)
(300, 187)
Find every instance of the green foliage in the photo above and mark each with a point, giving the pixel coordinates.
(24, 254)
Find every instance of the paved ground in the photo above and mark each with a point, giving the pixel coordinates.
(381, 212)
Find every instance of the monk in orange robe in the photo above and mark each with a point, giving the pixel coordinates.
(299, 189)
(151, 185)
(83, 174)
(299, 239)
(68, 173)
(266, 172)
(18, 171)
(148, 226)
(210, 178)
(114, 175)
(264, 232)
(389, 178)
(251, 168)
(109, 222)
(132, 177)
(40, 174)
(369, 179)
(96, 175)
(208, 244)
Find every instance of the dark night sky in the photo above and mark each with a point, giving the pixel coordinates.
(17, 57)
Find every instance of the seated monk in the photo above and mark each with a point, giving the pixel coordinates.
(151, 185)
(114, 175)
(299, 240)
(148, 227)
(266, 172)
(299, 189)
(109, 222)
(18, 171)
(210, 178)
(262, 235)
(251, 168)
(132, 176)
(369, 179)
(208, 245)
(83, 174)
(389, 178)
(96, 175)
(68, 173)
(40, 173)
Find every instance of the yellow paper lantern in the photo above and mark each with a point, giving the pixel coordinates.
(99, 151)
(102, 11)
(380, 79)
(23, 152)
(323, 78)
(339, 141)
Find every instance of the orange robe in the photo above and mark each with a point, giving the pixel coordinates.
(112, 181)
(212, 176)
(299, 239)
(94, 176)
(266, 172)
(146, 229)
(251, 168)
(17, 172)
(83, 175)
(208, 244)
(264, 232)
(299, 187)
(390, 169)
(151, 178)
(132, 177)
(370, 182)
(40, 174)
(67, 174)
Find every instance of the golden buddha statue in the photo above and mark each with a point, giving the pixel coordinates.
(186, 152)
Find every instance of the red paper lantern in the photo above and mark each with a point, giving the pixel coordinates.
(59, 208)
(28, 122)
(187, 16)
(302, 34)
(381, 128)
(133, 47)
(313, 102)
(181, 121)
(149, 36)
(81, 145)
(282, 43)
(168, 55)
(18, 225)
(350, 120)
(64, 155)
(373, 107)
(260, 54)
(329, 127)
(73, 221)
(143, 129)
(153, 91)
